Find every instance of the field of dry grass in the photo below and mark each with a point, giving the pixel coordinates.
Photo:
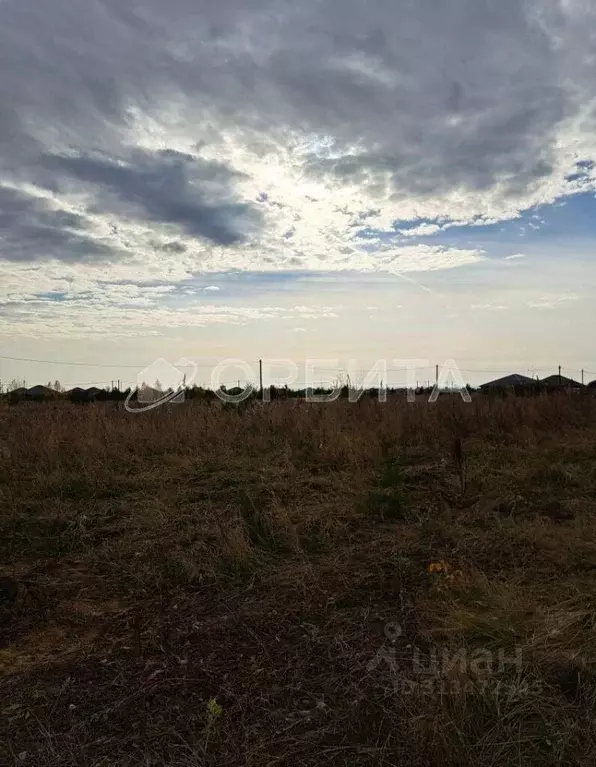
(300, 584)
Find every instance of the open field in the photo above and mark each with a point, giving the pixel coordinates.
(205, 586)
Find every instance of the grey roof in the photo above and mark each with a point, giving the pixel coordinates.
(515, 379)
(35, 391)
(556, 380)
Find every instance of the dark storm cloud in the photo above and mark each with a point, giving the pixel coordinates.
(422, 98)
(166, 187)
(30, 230)
(449, 93)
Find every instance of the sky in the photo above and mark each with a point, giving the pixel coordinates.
(330, 180)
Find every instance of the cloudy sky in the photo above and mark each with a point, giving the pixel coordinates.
(330, 179)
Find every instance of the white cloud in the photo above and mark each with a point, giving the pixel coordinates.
(85, 319)
(552, 301)
(423, 230)
(515, 255)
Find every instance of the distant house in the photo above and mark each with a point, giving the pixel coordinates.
(17, 395)
(77, 394)
(40, 393)
(560, 382)
(84, 395)
(513, 381)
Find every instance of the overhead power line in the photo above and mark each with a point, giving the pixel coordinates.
(340, 371)
(89, 364)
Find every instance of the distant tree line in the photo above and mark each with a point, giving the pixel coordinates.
(16, 392)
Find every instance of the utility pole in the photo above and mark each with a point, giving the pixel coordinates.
(582, 376)
(436, 375)
(559, 375)
(261, 377)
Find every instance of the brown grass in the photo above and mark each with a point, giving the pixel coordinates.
(204, 586)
